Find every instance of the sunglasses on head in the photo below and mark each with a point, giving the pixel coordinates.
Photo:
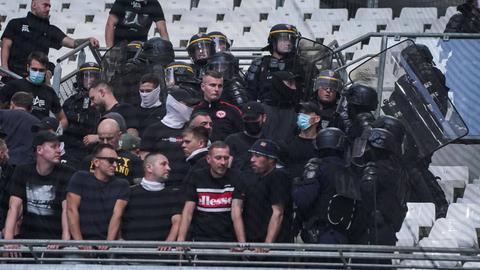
(110, 160)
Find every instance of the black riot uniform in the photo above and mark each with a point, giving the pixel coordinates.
(281, 43)
(327, 194)
(383, 188)
(82, 118)
(182, 74)
(200, 49)
(467, 21)
(327, 88)
(234, 86)
(151, 57)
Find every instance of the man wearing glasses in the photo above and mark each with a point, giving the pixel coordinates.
(96, 201)
(45, 100)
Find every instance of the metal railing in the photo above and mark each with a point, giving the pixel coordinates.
(222, 254)
(9, 73)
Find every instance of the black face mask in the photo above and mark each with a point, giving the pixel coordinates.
(253, 128)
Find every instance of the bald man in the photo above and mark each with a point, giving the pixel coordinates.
(34, 32)
(130, 166)
(154, 210)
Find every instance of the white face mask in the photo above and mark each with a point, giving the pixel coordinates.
(152, 99)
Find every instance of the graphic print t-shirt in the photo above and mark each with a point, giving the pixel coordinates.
(213, 196)
(42, 198)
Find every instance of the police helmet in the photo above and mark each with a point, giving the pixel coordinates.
(221, 41)
(200, 48)
(282, 39)
(157, 50)
(391, 124)
(416, 54)
(381, 138)
(328, 79)
(87, 75)
(133, 48)
(331, 138)
(178, 72)
(224, 63)
(362, 96)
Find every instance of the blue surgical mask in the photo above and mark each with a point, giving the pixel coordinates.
(36, 77)
(303, 121)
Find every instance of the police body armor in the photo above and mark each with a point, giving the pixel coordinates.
(235, 91)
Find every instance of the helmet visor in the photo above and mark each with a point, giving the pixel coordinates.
(202, 50)
(285, 42)
(90, 76)
(221, 43)
(324, 82)
(173, 72)
(169, 77)
(222, 67)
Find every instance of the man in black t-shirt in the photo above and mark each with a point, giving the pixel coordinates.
(130, 20)
(45, 100)
(152, 107)
(37, 194)
(262, 205)
(34, 32)
(96, 202)
(209, 198)
(102, 98)
(130, 166)
(154, 210)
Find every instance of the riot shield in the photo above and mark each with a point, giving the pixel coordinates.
(311, 57)
(414, 91)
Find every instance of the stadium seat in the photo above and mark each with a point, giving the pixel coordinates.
(472, 194)
(333, 15)
(422, 213)
(217, 4)
(408, 234)
(468, 213)
(176, 4)
(245, 16)
(179, 32)
(233, 30)
(406, 25)
(8, 7)
(93, 5)
(282, 15)
(441, 243)
(452, 189)
(378, 15)
(259, 4)
(464, 234)
(451, 172)
(59, 18)
(319, 29)
(303, 6)
(171, 14)
(252, 39)
(357, 27)
(438, 26)
(471, 265)
(200, 17)
(421, 12)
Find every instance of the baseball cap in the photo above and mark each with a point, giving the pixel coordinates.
(265, 147)
(46, 124)
(129, 142)
(44, 136)
(118, 118)
(252, 110)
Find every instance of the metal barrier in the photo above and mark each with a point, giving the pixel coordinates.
(9, 73)
(222, 254)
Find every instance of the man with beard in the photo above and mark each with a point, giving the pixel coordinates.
(102, 98)
(262, 206)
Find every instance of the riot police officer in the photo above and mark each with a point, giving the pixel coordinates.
(326, 92)
(281, 44)
(152, 57)
(467, 21)
(222, 44)
(234, 86)
(200, 48)
(82, 118)
(182, 74)
(326, 194)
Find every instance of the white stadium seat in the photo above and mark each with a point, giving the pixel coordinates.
(463, 233)
(282, 15)
(408, 234)
(450, 12)
(217, 4)
(242, 16)
(176, 4)
(451, 172)
(415, 13)
(472, 194)
(259, 4)
(379, 15)
(469, 213)
(304, 6)
(357, 27)
(333, 15)
(97, 5)
(422, 213)
(319, 29)
(405, 25)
